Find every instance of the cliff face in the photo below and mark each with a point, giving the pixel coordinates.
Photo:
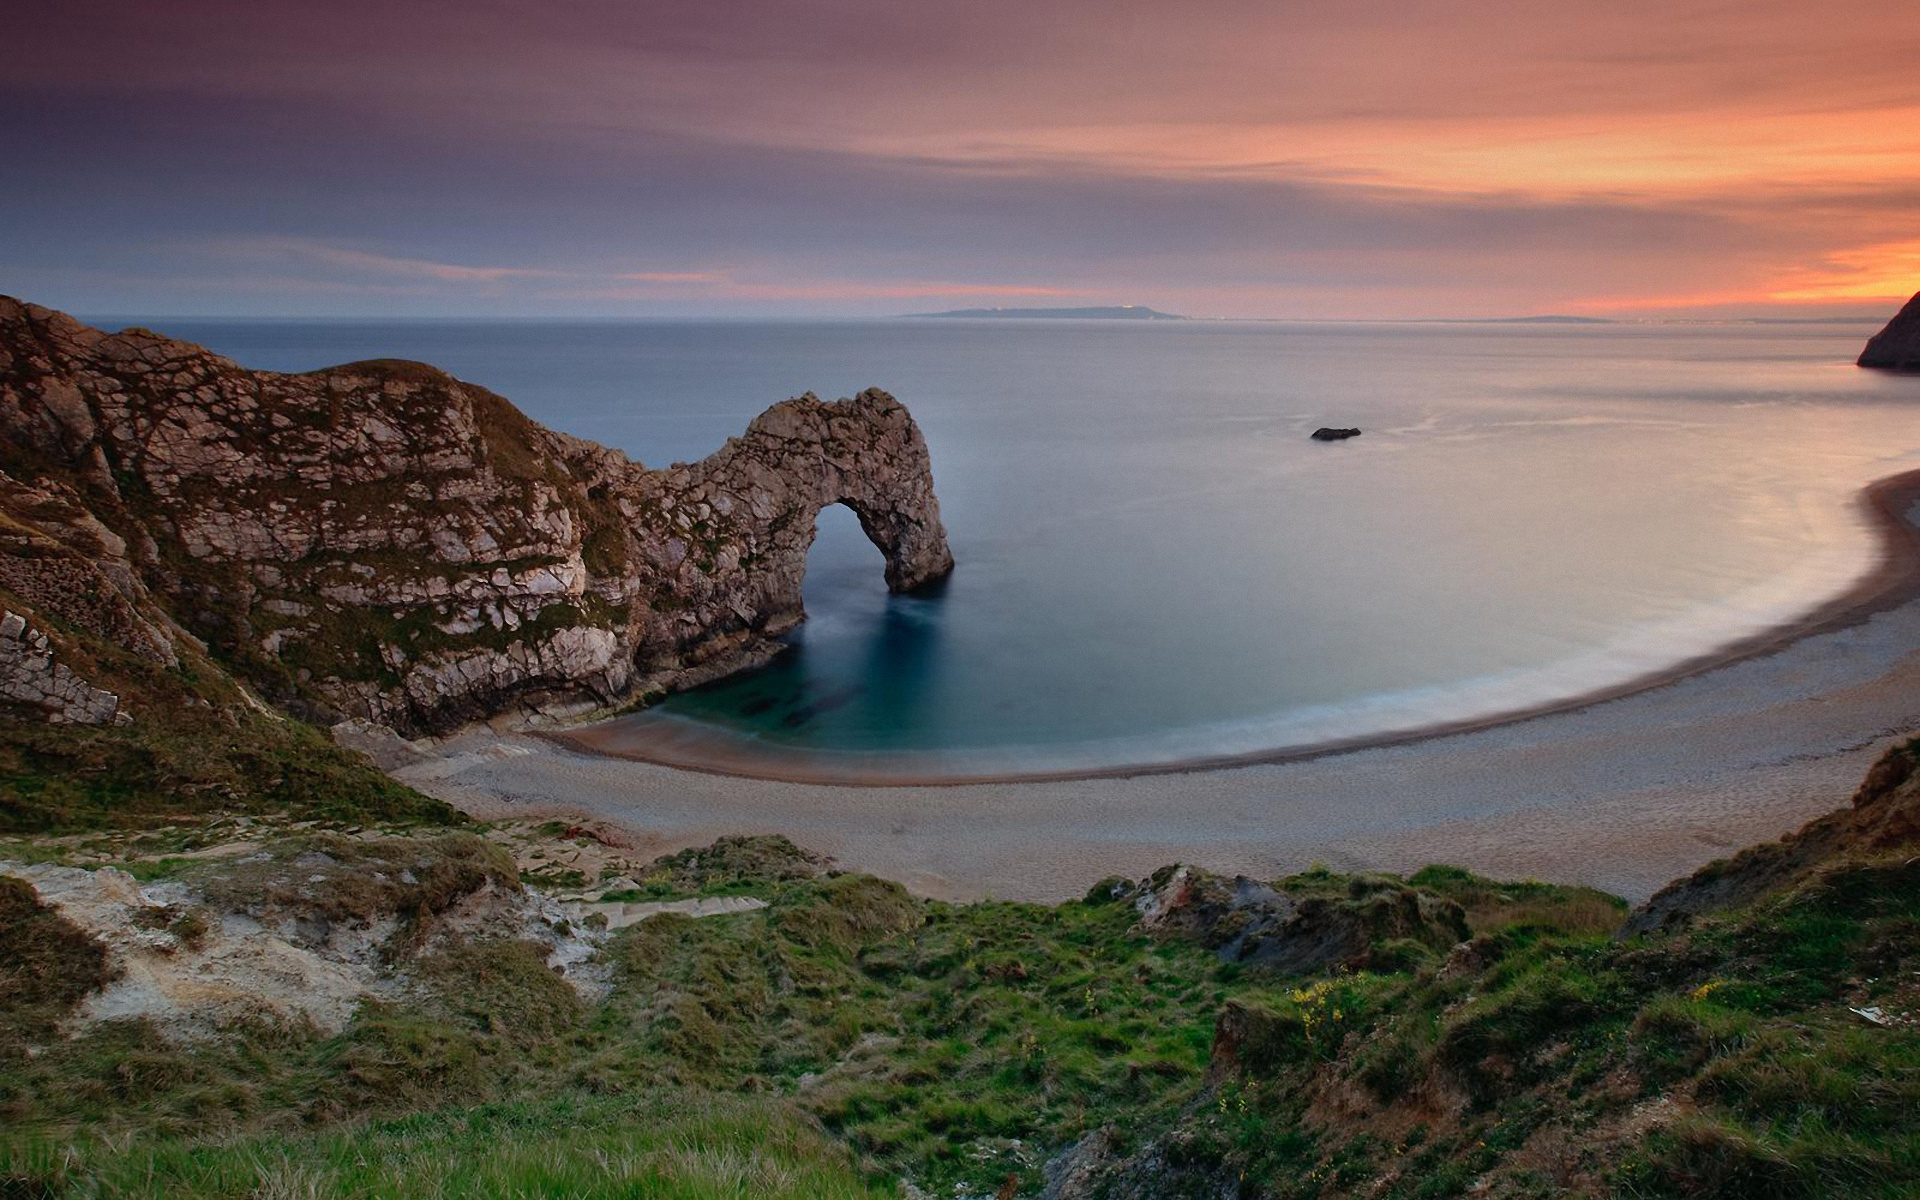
(382, 540)
(1897, 347)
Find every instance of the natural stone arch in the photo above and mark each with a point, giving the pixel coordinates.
(380, 539)
(866, 454)
(914, 558)
(756, 501)
(840, 522)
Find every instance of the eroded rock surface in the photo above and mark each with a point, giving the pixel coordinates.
(1245, 920)
(298, 933)
(1897, 347)
(381, 540)
(31, 679)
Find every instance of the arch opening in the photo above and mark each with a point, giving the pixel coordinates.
(846, 566)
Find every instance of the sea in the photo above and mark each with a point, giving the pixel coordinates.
(1157, 565)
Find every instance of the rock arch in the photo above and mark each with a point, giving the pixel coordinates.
(382, 540)
(746, 514)
(866, 453)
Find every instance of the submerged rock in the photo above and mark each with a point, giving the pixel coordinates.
(1897, 347)
(1327, 434)
(381, 540)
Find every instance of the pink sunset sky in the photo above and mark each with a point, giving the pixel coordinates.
(660, 157)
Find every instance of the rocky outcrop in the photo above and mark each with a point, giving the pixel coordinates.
(31, 679)
(1329, 434)
(383, 541)
(1292, 931)
(302, 933)
(58, 559)
(1897, 347)
(1883, 817)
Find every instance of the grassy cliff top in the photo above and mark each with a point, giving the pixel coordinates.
(1488, 1038)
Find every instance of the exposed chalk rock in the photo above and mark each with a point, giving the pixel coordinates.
(30, 678)
(302, 937)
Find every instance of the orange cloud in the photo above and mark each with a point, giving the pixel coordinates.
(1412, 157)
(1887, 271)
(1651, 156)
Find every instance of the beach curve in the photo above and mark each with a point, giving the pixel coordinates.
(1892, 579)
(1624, 793)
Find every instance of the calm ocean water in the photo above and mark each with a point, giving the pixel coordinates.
(1156, 563)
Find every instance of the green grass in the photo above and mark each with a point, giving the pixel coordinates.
(1499, 904)
(673, 1146)
(57, 779)
(870, 1035)
(1741, 1026)
(927, 1038)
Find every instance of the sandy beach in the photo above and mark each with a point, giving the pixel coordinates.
(1623, 789)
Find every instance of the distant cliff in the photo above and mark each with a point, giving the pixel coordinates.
(1113, 312)
(1897, 347)
(385, 541)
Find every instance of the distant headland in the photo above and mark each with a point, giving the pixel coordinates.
(1897, 347)
(1110, 312)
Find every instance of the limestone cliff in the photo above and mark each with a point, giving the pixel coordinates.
(382, 540)
(1897, 347)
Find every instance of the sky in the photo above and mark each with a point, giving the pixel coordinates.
(1223, 158)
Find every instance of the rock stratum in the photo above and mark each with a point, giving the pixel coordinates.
(1897, 347)
(381, 540)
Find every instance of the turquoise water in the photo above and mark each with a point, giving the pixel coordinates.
(1156, 563)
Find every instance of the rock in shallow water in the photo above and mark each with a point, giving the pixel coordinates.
(1326, 434)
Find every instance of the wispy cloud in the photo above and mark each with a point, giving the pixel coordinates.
(345, 269)
(670, 277)
(372, 263)
(1418, 157)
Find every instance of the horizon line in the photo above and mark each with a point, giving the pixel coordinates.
(134, 319)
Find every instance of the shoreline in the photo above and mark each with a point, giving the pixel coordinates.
(1893, 580)
(1624, 794)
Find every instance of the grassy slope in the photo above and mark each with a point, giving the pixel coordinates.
(851, 1034)
(198, 746)
(675, 1146)
(60, 779)
(933, 1033)
(1725, 1061)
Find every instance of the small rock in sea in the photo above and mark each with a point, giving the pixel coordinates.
(1324, 434)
